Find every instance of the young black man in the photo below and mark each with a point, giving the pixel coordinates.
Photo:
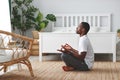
(83, 58)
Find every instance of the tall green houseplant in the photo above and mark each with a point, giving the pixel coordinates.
(42, 23)
(23, 15)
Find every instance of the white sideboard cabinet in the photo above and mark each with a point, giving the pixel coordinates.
(102, 42)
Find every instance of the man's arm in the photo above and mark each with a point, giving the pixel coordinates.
(74, 52)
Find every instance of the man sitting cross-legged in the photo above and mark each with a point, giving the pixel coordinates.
(83, 58)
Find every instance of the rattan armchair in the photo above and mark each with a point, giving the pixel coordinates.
(14, 49)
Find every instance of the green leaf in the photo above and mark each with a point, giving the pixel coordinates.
(39, 17)
(42, 25)
(118, 31)
(18, 2)
(51, 17)
(46, 22)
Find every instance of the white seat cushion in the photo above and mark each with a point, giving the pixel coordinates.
(2, 53)
(17, 54)
(4, 58)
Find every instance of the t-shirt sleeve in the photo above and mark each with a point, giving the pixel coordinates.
(82, 46)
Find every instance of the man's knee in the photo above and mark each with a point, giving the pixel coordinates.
(64, 56)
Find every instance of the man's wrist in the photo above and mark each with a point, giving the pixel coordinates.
(71, 51)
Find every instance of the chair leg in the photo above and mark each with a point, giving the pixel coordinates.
(29, 67)
(5, 68)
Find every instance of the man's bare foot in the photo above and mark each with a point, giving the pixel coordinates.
(67, 68)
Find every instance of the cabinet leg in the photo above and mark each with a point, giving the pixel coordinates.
(40, 57)
(114, 57)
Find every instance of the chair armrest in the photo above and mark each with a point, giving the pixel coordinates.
(15, 44)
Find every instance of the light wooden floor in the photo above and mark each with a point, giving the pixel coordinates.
(51, 70)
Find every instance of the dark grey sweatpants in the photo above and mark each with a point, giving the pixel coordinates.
(71, 61)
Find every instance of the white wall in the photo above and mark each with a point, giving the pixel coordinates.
(5, 16)
(82, 6)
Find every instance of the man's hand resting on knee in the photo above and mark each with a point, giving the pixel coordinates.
(65, 48)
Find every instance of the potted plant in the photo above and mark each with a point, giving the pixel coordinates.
(42, 23)
(23, 15)
(118, 32)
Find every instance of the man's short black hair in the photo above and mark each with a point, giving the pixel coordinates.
(86, 26)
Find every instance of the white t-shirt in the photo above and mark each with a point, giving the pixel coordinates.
(85, 46)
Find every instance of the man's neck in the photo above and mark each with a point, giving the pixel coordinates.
(82, 35)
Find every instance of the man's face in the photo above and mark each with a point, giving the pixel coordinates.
(79, 29)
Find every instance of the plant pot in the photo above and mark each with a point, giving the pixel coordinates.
(35, 46)
(35, 34)
(118, 34)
